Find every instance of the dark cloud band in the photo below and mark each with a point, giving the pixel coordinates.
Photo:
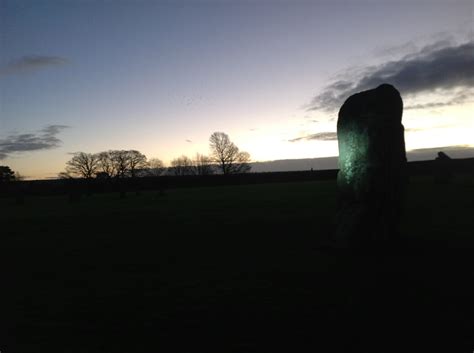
(31, 62)
(436, 67)
(320, 136)
(44, 139)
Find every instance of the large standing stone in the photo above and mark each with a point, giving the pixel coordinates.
(372, 165)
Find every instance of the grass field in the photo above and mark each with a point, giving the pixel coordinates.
(233, 269)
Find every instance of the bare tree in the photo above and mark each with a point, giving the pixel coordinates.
(84, 165)
(106, 167)
(114, 163)
(227, 155)
(203, 165)
(242, 163)
(182, 166)
(120, 162)
(136, 161)
(155, 167)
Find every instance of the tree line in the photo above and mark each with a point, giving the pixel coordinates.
(224, 158)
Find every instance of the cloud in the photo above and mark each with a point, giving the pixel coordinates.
(31, 63)
(438, 66)
(408, 47)
(321, 136)
(458, 98)
(417, 129)
(42, 140)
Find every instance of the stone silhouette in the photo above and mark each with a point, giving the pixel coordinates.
(442, 169)
(372, 167)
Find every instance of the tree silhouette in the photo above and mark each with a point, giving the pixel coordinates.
(120, 162)
(182, 166)
(114, 163)
(155, 167)
(203, 165)
(227, 155)
(82, 164)
(106, 165)
(136, 161)
(6, 174)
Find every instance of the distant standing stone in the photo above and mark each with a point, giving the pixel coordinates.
(442, 170)
(372, 166)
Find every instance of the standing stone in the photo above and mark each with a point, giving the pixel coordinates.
(372, 167)
(442, 169)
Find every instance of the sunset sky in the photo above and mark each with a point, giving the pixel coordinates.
(161, 76)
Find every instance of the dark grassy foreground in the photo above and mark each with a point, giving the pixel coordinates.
(234, 269)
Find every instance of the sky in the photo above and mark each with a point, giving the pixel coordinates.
(162, 76)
